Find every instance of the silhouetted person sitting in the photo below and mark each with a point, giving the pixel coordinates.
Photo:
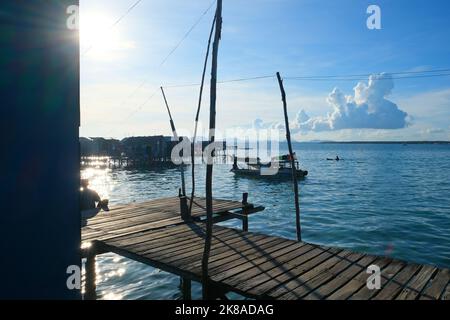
(337, 158)
(90, 202)
(88, 197)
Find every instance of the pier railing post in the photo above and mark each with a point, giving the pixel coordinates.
(184, 209)
(186, 289)
(90, 278)
(245, 212)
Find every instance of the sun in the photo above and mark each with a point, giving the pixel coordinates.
(98, 37)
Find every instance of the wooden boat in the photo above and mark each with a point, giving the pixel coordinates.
(279, 167)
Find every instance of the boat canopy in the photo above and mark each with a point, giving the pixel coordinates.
(286, 157)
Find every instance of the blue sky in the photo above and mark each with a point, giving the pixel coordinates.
(261, 37)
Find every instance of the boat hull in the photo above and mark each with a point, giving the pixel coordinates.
(281, 173)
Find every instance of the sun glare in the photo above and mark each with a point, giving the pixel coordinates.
(99, 37)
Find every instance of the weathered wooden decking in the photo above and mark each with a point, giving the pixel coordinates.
(129, 219)
(255, 265)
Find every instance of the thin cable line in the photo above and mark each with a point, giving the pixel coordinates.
(222, 82)
(364, 79)
(247, 79)
(369, 74)
(141, 105)
(329, 78)
(137, 109)
(163, 61)
(187, 34)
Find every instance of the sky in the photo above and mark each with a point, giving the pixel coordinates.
(123, 66)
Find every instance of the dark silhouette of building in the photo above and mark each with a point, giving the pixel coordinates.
(39, 123)
(100, 147)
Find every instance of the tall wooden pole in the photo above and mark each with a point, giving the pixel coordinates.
(209, 166)
(197, 116)
(291, 153)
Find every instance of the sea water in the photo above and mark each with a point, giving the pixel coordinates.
(383, 199)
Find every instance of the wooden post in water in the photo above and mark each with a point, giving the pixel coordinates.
(90, 286)
(209, 166)
(186, 289)
(291, 153)
(245, 212)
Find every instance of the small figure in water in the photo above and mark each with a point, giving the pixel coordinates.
(335, 159)
(88, 200)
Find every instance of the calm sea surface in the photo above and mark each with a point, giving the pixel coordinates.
(382, 199)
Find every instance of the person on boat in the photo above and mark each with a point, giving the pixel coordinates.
(235, 165)
(337, 158)
(90, 202)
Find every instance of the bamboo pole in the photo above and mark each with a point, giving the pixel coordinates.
(175, 136)
(194, 138)
(291, 153)
(209, 166)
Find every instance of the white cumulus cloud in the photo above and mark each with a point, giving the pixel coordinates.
(367, 108)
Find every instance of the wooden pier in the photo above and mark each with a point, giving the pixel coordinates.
(254, 265)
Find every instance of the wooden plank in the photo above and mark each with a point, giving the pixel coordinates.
(387, 274)
(199, 246)
(155, 217)
(357, 282)
(130, 229)
(110, 235)
(254, 265)
(390, 290)
(239, 257)
(115, 223)
(172, 245)
(243, 248)
(160, 236)
(290, 280)
(158, 209)
(328, 274)
(138, 218)
(446, 293)
(293, 268)
(225, 256)
(171, 236)
(417, 283)
(130, 211)
(134, 210)
(304, 284)
(139, 237)
(271, 269)
(341, 279)
(436, 288)
(197, 250)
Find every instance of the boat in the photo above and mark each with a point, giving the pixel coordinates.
(334, 159)
(278, 167)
